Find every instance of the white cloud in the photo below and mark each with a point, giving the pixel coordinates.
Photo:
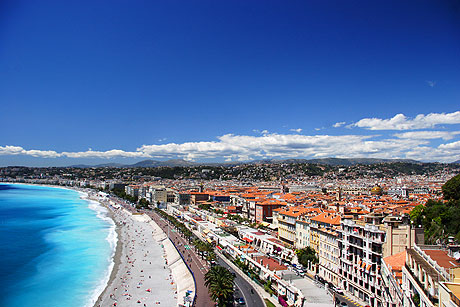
(401, 122)
(298, 130)
(105, 154)
(339, 124)
(427, 135)
(451, 146)
(230, 147)
(17, 150)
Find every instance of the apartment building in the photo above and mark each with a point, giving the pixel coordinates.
(391, 274)
(426, 268)
(323, 239)
(449, 294)
(132, 190)
(264, 210)
(363, 244)
(287, 222)
(302, 228)
(158, 194)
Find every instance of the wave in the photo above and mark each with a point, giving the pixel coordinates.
(112, 239)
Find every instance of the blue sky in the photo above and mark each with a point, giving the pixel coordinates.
(121, 81)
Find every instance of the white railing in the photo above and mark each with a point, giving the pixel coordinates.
(433, 263)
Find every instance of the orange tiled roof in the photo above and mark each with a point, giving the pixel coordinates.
(327, 218)
(397, 261)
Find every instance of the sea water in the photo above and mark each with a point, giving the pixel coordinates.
(56, 248)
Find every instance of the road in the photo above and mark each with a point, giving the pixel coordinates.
(196, 264)
(345, 300)
(252, 298)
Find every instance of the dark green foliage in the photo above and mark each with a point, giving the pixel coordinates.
(440, 220)
(307, 255)
(219, 281)
(451, 189)
(179, 225)
(121, 193)
(143, 203)
(416, 299)
(416, 215)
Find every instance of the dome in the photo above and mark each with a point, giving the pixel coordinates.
(376, 190)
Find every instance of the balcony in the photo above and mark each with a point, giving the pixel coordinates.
(419, 286)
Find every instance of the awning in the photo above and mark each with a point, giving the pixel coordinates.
(206, 230)
(248, 240)
(209, 240)
(265, 224)
(368, 267)
(219, 248)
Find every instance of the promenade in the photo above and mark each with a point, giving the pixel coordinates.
(196, 264)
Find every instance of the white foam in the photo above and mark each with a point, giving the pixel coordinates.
(112, 238)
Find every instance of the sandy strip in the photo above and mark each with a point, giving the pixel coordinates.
(140, 276)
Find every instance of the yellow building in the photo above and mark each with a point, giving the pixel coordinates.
(323, 239)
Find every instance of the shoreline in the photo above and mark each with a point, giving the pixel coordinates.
(141, 268)
(93, 201)
(116, 258)
(145, 270)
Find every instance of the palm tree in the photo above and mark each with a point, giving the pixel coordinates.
(219, 281)
(200, 247)
(211, 256)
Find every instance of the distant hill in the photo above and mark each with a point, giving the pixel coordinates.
(98, 165)
(170, 163)
(456, 162)
(145, 163)
(354, 161)
(324, 161)
(339, 161)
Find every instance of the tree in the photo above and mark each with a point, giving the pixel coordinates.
(200, 247)
(211, 256)
(219, 281)
(143, 203)
(451, 189)
(307, 255)
(416, 215)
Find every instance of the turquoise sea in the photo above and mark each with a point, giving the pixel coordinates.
(56, 248)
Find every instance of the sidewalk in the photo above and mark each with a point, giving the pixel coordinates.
(181, 275)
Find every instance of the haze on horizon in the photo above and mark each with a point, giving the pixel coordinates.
(84, 82)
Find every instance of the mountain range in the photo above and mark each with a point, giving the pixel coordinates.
(182, 163)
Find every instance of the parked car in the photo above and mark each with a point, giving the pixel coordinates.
(339, 291)
(241, 301)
